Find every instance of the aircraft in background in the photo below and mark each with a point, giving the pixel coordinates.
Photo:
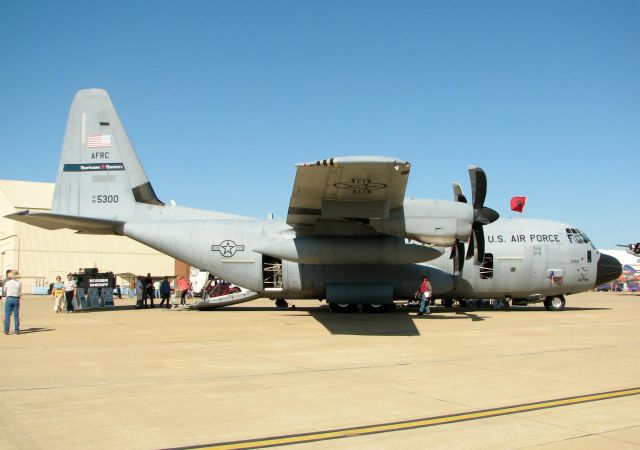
(350, 236)
(632, 249)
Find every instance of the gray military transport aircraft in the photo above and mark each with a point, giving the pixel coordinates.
(350, 237)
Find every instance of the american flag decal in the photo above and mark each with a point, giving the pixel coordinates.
(99, 140)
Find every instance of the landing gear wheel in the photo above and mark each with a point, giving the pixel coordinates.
(281, 303)
(376, 307)
(462, 303)
(447, 302)
(554, 303)
(343, 307)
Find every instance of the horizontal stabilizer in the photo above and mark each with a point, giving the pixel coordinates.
(58, 221)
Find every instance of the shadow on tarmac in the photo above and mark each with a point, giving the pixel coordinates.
(399, 322)
(396, 323)
(35, 330)
(110, 308)
(458, 315)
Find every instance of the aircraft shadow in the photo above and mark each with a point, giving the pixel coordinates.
(400, 322)
(259, 308)
(396, 323)
(567, 308)
(458, 315)
(467, 309)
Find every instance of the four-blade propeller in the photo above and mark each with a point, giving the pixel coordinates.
(482, 215)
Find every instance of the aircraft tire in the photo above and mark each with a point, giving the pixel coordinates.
(554, 303)
(343, 307)
(447, 302)
(376, 307)
(281, 303)
(462, 303)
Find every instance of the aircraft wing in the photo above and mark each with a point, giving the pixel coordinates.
(347, 190)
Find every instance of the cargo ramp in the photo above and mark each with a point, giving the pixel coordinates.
(225, 300)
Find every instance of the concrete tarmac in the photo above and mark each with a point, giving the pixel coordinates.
(158, 378)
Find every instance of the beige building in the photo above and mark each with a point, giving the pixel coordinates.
(39, 255)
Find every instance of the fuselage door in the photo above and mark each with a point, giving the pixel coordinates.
(510, 273)
(272, 274)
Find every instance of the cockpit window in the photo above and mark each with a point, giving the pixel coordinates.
(576, 236)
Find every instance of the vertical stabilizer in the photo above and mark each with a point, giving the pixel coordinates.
(99, 174)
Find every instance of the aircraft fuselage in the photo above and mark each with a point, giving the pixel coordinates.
(525, 259)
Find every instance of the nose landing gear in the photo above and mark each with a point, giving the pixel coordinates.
(554, 303)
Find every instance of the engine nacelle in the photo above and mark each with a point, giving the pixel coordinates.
(437, 222)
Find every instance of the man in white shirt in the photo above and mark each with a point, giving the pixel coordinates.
(69, 292)
(12, 289)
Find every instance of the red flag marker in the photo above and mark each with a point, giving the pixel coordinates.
(517, 203)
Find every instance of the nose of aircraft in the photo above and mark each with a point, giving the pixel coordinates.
(609, 269)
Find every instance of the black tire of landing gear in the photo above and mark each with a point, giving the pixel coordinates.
(343, 307)
(377, 308)
(447, 302)
(554, 303)
(281, 303)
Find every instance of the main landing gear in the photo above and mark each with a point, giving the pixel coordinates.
(281, 303)
(366, 308)
(343, 307)
(554, 303)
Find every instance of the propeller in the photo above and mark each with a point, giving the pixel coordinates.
(482, 215)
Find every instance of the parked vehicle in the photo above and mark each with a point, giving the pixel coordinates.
(217, 288)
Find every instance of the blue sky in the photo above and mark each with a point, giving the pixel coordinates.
(221, 99)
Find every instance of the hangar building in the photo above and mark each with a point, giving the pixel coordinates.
(39, 255)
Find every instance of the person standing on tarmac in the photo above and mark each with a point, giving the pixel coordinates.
(426, 292)
(12, 289)
(58, 294)
(183, 286)
(165, 291)
(69, 292)
(149, 292)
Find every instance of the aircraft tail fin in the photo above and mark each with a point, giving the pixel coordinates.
(99, 175)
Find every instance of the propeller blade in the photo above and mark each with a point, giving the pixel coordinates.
(479, 232)
(458, 196)
(460, 246)
(478, 186)
(457, 254)
(471, 245)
